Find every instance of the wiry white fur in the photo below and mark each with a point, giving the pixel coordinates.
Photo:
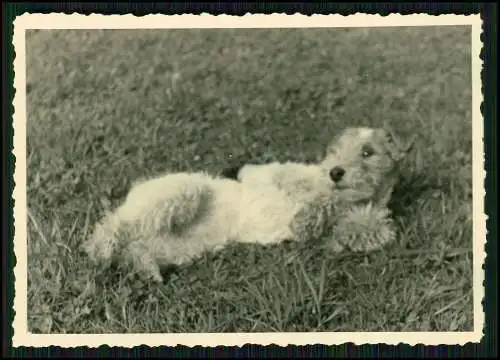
(174, 218)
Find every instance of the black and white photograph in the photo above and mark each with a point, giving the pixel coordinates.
(266, 179)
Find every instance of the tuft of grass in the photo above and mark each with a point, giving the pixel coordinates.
(106, 107)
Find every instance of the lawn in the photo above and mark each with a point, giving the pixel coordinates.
(106, 107)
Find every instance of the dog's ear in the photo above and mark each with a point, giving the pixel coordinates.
(410, 143)
(406, 147)
(398, 147)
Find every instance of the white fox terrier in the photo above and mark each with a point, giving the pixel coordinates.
(175, 218)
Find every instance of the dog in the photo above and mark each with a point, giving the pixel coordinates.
(174, 218)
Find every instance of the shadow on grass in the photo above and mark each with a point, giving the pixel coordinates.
(408, 190)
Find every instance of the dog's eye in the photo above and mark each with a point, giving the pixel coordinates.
(367, 151)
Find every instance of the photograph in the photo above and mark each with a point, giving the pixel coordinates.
(224, 180)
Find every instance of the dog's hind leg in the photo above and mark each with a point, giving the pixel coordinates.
(143, 261)
(104, 240)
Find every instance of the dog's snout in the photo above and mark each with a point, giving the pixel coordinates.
(337, 173)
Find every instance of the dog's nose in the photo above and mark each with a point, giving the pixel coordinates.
(337, 173)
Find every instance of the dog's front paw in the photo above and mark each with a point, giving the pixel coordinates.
(310, 221)
(364, 229)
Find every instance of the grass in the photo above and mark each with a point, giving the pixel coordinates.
(106, 107)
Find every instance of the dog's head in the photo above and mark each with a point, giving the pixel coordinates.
(363, 163)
